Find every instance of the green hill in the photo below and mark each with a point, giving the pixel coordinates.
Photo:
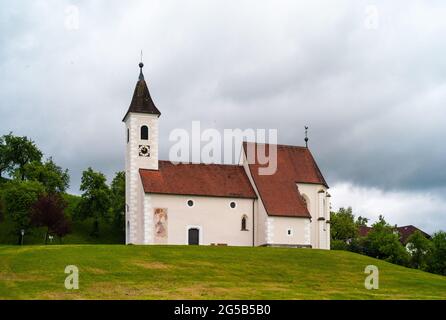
(192, 272)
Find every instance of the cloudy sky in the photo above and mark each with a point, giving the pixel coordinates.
(369, 78)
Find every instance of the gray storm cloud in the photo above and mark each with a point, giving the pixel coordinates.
(368, 80)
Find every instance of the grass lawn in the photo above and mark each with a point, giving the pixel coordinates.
(192, 272)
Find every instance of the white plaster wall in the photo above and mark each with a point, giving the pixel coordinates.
(263, 228)
(147, 213)
(134, 122)
(299, 226)
(218, 223)
(328, 222)
(133, 162)
(320, 238)
(139, 239)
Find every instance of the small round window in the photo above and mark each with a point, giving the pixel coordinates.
(232, 204)
(190, 203)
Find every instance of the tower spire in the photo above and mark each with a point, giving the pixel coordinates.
(306, 136)
(141, 65)
(141, 76)
(142, 101)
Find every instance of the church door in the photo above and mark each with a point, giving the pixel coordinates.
(194, 235)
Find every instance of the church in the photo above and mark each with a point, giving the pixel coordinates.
(219, 204)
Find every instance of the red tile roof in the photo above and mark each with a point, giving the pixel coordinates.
(364, 231)
(279, 192)
(198, 179)
(404, 231)
(407, 231)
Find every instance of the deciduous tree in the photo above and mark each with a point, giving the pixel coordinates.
(117, 200)
(19, 151)
(5, 161)
(343, 225)
(95, 199)
(419, 248)
(437, 260)
(18, 198)
(53, 177)
(48, 211)
(383, 242)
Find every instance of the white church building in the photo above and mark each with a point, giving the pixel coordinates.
(214, 204)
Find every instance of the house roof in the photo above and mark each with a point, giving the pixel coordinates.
(142, 101)
(407, 231)
(364, 231)
(279, 192)
(198, 179)
(404, 231)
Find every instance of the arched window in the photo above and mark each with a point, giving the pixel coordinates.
(244, 223)
(144, 133)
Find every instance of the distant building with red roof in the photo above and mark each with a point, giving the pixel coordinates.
(197, 203)
(405, 232)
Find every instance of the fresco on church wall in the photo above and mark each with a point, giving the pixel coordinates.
(160, 219)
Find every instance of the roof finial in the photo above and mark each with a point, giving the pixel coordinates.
(141, 76)
(306, 136)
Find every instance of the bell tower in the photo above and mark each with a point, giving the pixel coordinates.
(141, 134)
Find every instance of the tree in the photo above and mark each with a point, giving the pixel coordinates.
(419, 248)
(361, 222)
(18, 198)
(342, 225)
(437, 260)
(62, 229)
(5, 161)
(17, 152)
(48, 211)
(344, 230)
(72, 202)
(382, 242)
(2, 217)
(53, 177)
(117, 200)
(95, 200)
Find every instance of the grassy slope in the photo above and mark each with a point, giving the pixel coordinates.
(182, 272)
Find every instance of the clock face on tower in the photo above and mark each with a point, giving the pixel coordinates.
(144, 150)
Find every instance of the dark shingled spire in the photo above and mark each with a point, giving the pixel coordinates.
(142, 101)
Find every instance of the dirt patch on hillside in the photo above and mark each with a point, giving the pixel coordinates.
(152, 265)
(21, 277)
